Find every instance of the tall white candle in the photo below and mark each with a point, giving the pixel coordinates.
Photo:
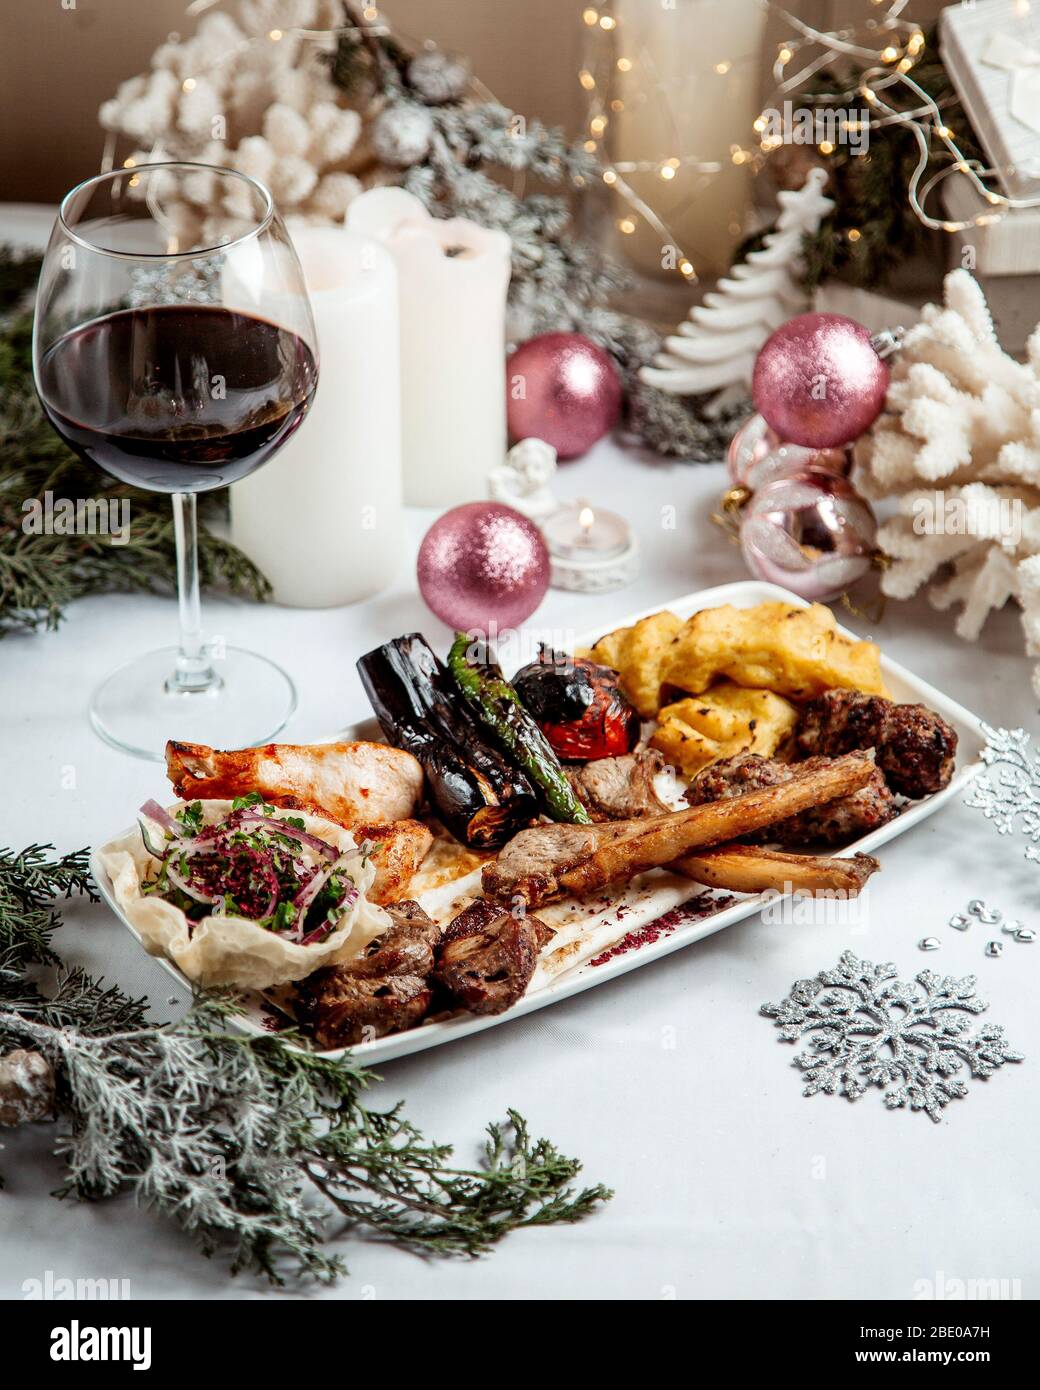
(324, 518)
(688, 77)
(453, 277)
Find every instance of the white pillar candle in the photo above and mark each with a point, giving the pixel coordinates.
(452, 276)
(324, 519)
(688, 80)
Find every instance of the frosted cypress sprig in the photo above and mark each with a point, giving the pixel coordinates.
(260, 1151)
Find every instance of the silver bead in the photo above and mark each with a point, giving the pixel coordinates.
(1011, 927)
(929, 943)
(959, 921)
(991, 916)
(976, 907)
(1025, 934)
(994, 948)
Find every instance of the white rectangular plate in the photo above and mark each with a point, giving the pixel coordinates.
(657, 893)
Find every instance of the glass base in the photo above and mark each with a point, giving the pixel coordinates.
(138, 707)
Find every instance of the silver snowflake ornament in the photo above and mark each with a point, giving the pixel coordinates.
(867, 1028)
(1010, 797)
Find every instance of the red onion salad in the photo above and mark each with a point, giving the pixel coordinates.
(253, 863)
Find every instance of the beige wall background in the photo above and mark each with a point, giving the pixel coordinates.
(59, 59)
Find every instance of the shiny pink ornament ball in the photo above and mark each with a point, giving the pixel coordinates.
(562, 388)
(483, 565)
(811, 532)
(818, 381)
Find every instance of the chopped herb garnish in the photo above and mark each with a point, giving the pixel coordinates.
(190, 816)
(246, 869)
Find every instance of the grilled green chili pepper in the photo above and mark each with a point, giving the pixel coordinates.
(488, 692)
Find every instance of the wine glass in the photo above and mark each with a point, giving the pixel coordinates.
(174, 348)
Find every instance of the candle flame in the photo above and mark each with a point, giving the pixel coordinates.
(586, 517)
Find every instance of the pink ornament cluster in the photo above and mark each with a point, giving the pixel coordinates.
(818, 385)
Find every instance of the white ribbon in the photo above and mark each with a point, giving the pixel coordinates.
(1023, 63)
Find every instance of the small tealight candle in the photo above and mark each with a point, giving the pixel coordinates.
(590, 550)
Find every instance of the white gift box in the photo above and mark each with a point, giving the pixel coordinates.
(991, 50)
(1008, 246)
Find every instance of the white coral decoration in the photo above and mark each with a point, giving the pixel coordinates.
(959, 447)
(249, 91)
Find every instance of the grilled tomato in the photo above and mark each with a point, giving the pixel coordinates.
(579, 706)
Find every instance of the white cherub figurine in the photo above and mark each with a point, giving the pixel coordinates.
(522, 480)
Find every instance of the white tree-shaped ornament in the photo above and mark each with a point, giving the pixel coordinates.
(715, 348)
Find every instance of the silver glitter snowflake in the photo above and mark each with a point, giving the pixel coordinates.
(866, 1028)
(1010, 798)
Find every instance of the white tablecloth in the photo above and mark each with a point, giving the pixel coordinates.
(667, 1082)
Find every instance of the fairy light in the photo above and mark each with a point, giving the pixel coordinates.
(130, 162)
(370, 13)
(825, 147)
(889, 54)
(275, 35)
(785, 55)
(854, 234)
(188, 85)
(608, 33)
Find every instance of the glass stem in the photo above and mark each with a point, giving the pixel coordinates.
(194, 672)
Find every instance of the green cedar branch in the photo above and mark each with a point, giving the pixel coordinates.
(251, 1147)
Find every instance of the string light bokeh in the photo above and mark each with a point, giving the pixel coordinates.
(887, 47)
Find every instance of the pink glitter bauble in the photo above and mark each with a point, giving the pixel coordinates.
(812, 533)
(819, 382)
(483, 565)
(562, 388)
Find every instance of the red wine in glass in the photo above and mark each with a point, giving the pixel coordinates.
(174, 348)
(179, 397)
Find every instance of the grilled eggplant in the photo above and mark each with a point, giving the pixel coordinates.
(478, 793)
